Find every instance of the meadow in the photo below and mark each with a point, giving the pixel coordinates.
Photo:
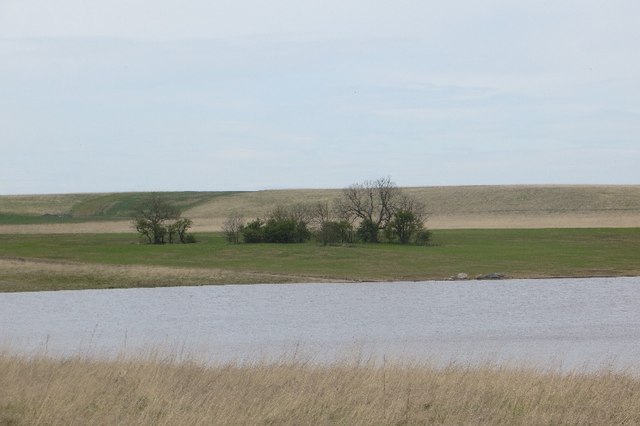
(157, 390)
(83, 241)
(77, 261)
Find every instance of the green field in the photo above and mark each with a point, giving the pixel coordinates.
(85, 261)
(75, 240)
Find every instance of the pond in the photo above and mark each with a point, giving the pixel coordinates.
(562, 323)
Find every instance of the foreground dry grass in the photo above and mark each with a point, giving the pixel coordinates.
(156, 391)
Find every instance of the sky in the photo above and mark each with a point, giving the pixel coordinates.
(166, 95)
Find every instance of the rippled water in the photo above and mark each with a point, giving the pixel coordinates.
(568, 323)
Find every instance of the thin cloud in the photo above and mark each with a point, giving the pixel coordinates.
(109, 95)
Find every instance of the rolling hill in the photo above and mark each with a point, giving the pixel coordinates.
(517, 206)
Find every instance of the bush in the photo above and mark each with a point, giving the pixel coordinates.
(189, 239)
(367, 231)
(335, 233)
(276, 230)
(286, 230)
(403, 226)
(423, 237)
(406, 228)
(253, 232)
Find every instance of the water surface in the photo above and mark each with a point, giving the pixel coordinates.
(567, 323)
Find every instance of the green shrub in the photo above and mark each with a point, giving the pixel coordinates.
(253, 232)
(335, 233)
(423, 237)
(286, 230)
(404, 226)
(276, 230)
(367, 232)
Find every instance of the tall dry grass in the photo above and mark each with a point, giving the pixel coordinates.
(160, 391)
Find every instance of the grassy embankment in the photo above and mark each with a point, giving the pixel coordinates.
(158, 391)
(76, 261)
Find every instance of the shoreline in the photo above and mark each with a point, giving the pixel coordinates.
(278, 279)
(79, 261)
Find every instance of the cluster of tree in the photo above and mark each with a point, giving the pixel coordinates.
(380, 208)
(159, 222)
(282, 225)
(369, 212)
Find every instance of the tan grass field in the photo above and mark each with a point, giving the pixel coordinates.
(156, 390)
(468, 206)
(456, 207)
(101, 227)
(457, 221)
(41, 273)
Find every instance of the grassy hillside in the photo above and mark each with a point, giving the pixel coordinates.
(454, 200)
(39, 205)
(529, 199)
(70, 208)
(449, 207)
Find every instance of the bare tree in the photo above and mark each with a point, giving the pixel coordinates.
(371, 202)
(410, 204)
(305, 212)
(232, 227)
(374, 204)
(320, 213)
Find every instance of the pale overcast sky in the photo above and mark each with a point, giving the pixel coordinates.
(133, 95)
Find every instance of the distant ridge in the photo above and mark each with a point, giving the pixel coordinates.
(483, 206)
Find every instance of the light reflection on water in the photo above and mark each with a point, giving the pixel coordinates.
(564, 323)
